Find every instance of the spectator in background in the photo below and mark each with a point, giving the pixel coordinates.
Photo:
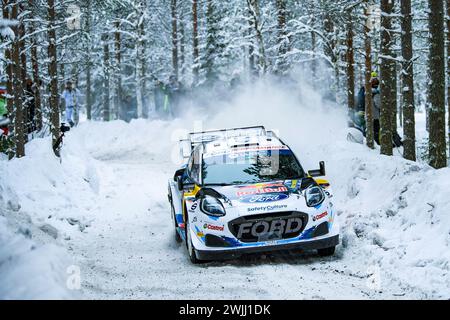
(159, 96)
(71, 97)
(173, 93)
(30, 106)
(3, 110)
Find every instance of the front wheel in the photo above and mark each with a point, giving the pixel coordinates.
(177, 235)
(326, 252)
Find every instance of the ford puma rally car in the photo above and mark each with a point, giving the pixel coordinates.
(242, 191)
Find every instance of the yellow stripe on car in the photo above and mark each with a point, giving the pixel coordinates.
(323, 183)
(186, 195)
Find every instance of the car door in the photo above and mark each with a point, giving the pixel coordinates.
(178, 195)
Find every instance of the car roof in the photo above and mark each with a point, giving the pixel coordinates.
(242, 143)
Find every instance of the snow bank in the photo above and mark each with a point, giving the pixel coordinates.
(40, 200)
(29, 269)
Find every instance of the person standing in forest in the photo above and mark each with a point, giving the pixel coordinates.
(359, 115)
(30, 106)
(159, 96)
(171, 96)
(376, 102)
(3, 109)
(70, 96)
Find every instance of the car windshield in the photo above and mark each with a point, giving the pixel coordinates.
(251, 167)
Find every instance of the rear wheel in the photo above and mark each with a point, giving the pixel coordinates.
(175, 224)
(325, 252)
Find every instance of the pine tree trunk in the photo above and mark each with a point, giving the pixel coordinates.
(251, 50)
(394, 107)
(23, 73)
(409, 134)
(329, 46)
(211, 47)
(36, 74)
(448, 65)
(88, 63)
(313, 49)
(173, 10)
(62, 83)
(118, 70)
(9, 67)
(106, 78)
(282, 40)
(350, 57)
(142, 75)
(367, 85)
(195, 50)
(9, 80)
(74, 78)
(19, 123)
(140, 63)
(387, 83)
(23, 54)
(182, 49)
(53, 71)
(399, 93)
(253, 6)
(436, 90)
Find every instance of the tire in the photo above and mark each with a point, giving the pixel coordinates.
(326, 252)
(189, 245)
(175, 225)
(177, 236)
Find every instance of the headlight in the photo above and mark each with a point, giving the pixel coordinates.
(212, 206)
(314, 196)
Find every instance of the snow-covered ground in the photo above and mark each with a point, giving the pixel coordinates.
(106, 203)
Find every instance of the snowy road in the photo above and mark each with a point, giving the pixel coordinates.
(129, 252)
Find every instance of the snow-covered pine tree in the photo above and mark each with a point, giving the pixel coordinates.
(387, 78)
(367, 75)
(53, 71)
(409, 136)
(436, 83)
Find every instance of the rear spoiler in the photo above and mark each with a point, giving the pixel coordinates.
(196, 138)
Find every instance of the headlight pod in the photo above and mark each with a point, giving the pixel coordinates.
(314, 196)
(212, 207)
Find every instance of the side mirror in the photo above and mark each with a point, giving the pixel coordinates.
(178, 173)
(320, 172)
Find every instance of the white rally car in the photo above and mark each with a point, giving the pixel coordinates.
(243, 191)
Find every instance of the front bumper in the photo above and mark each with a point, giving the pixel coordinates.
(235, 253)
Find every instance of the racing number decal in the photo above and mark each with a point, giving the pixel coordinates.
(190, 194)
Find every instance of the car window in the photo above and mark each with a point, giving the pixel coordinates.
(190, 162)
(195, 169)
(251, 167)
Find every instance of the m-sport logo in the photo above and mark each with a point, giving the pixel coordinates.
(260, 198)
